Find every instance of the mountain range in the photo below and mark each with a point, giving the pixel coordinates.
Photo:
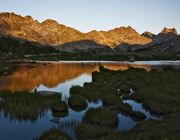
(51, 33)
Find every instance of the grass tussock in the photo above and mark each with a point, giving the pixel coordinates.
(77, 103)
(101, 117)
(53, 134)
(25, 106)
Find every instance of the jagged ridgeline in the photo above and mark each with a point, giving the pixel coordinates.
(26, 34)
(52, 33)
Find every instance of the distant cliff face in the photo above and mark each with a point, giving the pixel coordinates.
(148, 34)
(47, 32)
(118, 36)
(52, 33)
(169, 30)
(166, 41)
(166, 35)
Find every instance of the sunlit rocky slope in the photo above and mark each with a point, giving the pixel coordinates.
(59, 36)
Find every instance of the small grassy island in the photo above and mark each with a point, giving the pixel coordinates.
(77, 103)
(53, 134)
(24, 106)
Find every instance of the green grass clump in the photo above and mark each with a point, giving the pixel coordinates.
(101, 116)
(75, 90)
(168, 129)
(110, 99)
(53, 134)
(115, 103)
(25, 106)
(77, 103)
(88, 92)
(59, 109)
(127, 109)
(91, 132)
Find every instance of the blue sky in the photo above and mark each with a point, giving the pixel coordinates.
(86, 15)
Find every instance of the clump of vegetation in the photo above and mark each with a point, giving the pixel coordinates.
(53, 134)
(59, 109)
(127, 109)
(77, 103)
(101, 116)
(90, 131)
(168, 128)
(110, 99)
(124, 108)
(158, 91)
(75, 90)
(111, 90)
(25, 106)
(59, 106)
(86, 93)
(115, 103)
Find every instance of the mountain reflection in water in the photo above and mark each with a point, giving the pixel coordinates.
(29, 76)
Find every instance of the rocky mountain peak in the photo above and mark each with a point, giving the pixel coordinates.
(169, 30)
(28, 17)
(50, 22)
(124, 29)
(148, 34)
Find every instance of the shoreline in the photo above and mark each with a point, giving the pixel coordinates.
(148, 62)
